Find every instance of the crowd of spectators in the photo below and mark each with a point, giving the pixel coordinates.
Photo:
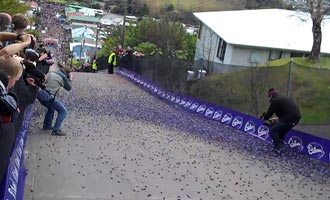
(51, 29)
(25, 62)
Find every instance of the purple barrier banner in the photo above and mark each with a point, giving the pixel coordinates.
(16, 172)
(314, 147)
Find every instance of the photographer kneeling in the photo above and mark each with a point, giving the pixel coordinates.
(47, 97)
(288, 115)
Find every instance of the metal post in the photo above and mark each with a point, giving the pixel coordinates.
(71, 59)
(80, 55)
(97, 37)
(290, 77)
(124, 24)
(82, 45)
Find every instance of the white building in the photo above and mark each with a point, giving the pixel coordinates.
(247, 37)
(87, 12)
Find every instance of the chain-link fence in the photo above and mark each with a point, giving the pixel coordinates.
(241, 88)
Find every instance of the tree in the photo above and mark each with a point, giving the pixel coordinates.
(256, 84)
(253, 4)
(33, 32)
(13, 6)
(317, 10)
(170, 8)
(171, 36)
(144, 10)
(95, 6)
(188, 48)
(113, 40)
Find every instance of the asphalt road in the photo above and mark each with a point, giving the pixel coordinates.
(124, 144)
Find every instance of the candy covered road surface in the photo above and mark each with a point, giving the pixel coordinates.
(125, 144)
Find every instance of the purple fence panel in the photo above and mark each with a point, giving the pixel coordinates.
(314, 147)
(16, 172)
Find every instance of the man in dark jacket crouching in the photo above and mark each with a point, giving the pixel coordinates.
(287, 112)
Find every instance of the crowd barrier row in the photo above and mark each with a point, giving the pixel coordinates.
(315, 147)
(14, 180)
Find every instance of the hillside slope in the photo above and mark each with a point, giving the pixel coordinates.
(194, 5)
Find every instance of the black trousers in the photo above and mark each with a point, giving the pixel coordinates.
(110, 68)
(278, 132)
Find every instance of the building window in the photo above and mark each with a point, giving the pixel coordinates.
(221, 49)
(200, 30)
(274, 55)
(296, 54)
(281, 55)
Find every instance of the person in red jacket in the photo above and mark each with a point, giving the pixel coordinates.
(287, 112)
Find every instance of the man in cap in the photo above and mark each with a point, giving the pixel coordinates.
(287, 112)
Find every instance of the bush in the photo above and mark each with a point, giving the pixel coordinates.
(147, 48)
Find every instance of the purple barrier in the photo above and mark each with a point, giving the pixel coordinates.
(314, 147)
(16, 172)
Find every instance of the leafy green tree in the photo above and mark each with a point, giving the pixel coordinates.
(145, 31)
(113, 40)
(95, 6)
(188, 47)
(13, 6)
(257, 4)
(33, 32)
(130, 37)
(144, 11)
(147, 48)
(170, 36)
(170, 8)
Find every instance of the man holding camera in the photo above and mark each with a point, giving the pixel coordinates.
(60, 78)
(32, 75)
(287, 113)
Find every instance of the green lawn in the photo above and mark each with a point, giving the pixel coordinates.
(324, 63)
(194, 5)
(310, 88)
(59, 1)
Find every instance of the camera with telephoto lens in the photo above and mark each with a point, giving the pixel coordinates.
(32, 72)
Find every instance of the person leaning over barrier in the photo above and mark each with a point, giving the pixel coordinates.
(19, 23)
(55, 81)
(13, 68)
(14, 47)
(287, 113)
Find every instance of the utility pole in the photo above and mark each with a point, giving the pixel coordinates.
(97, 38)
(290, 78)
(82, 45)
(71, 54)
(124, 24)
